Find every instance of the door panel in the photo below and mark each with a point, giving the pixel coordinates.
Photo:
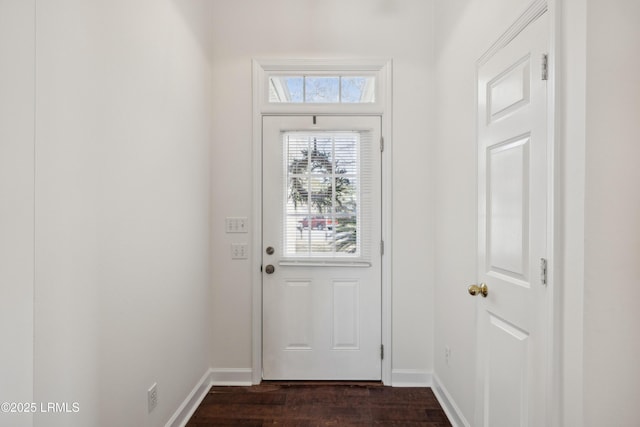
(321, 215)
(512, 230)
(506, 392)
(507, 196)
(346, 315)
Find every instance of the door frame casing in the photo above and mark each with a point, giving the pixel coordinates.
(382, 68)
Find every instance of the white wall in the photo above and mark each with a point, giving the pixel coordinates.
(465, 29)
(612, 215)
(122, 199)
(401, 30)
(16, 206)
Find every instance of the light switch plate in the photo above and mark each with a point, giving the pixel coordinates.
(239, 251)
(236, 224)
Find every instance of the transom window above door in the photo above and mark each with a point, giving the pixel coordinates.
(321, 86)
(327, 89)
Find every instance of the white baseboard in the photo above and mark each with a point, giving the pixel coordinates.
(448, 404)
(410, 378)
(191, 403)
(232, 376)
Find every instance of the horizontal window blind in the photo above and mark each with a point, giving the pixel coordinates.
(327, 211)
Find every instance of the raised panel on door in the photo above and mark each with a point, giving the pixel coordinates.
(508, 209)
(296, 300)
(507, 365)
(346, 315)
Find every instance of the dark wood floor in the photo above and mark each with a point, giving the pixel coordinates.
(319, 404)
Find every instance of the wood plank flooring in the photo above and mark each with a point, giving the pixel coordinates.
(319, 404)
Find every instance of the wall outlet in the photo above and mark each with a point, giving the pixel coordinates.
(152, 397)
(239, 251)
(447, 354)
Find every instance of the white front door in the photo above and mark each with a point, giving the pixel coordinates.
(321, 248)
(512, 224)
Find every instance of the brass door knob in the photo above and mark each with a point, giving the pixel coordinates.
(482, 290)
(269, 269)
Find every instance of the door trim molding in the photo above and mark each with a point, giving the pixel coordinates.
(533, 12)
(383, 68)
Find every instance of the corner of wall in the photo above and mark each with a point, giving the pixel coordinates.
(451, 409)
(188, 407)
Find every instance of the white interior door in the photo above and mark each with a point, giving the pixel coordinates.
(512, 181)
(321, 256)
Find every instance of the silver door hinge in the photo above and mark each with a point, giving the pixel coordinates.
(381, 144)
(545, 67)
(381, 247)
(543, 271)
(381, 351)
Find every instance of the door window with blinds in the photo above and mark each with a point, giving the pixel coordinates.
(327, 199)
